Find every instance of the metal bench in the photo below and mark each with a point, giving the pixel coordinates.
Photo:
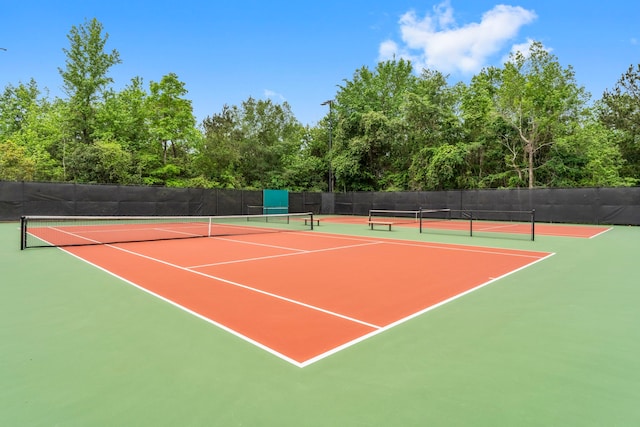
(316, 221)
(385, 223)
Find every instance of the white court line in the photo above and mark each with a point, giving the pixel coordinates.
(250, 288)
(486, 227)
(414, 315)
(196, 314)
(377, 328)
(601, 233)
(228, 239)
(419, 244)
(479, 249)
(299, 252)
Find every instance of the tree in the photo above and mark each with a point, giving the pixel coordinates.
(541, 101)
(29, 130)
(104, 162)
(123, 118)
(15, 163)
(253, 145)
(218, 153)
(17, 103)
(594, 157)
(620, 112)
(85, 76)
(171, 116)
(440, 168)
(484, 133)
(307, 169)
(171, 127)
(433, 129)
(370, 131)
(270, 133)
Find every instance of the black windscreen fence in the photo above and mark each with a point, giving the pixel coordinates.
(231, 201)
(582, 205)
(343, 204)
(11, 200)
(33, 198)
(305, 202)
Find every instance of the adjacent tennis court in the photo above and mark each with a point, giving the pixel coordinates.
(275, 323)
(500, 223)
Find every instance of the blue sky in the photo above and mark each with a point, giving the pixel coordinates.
(300, 51)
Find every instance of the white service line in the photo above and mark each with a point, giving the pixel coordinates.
(240, 285)
(299, 252)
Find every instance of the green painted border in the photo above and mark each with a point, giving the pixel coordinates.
(556, 344)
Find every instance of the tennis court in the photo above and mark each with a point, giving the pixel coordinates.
(339, 325)
(511, 223)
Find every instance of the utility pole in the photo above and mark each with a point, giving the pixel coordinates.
(330, 104)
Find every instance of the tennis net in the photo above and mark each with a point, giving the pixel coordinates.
(395, 216)
(479, 222)
(53, 231)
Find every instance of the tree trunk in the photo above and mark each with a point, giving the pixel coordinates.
(530, 161)
(164, 152)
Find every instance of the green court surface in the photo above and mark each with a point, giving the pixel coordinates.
(555, 344)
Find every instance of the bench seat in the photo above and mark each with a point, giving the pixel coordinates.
(385, 223)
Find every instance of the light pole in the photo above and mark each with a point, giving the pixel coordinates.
(330, 104)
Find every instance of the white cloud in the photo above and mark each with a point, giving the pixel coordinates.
(388, 49)
(523, 48)
(271, 95)
(436, 42)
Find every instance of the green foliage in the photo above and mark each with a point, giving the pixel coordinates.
(603, 160)
(620, 110)
(541, 101)
(388, 128)
(124, 117)
(15, 164)
(369, 124)
(85, 76)
(439, 168)
(251, 146)
(30, 124)
(171, 121)
(102, 162)
(18, 103)
(217, 155)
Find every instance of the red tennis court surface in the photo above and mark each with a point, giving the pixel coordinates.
(304, 296)
(541, 229)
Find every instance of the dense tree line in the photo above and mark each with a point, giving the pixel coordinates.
(525, 124)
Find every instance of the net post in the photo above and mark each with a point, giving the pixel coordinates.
(311, 216)
(209, 229)
(470, 223)
(23, 233)
(420, 218)
(533, 224)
